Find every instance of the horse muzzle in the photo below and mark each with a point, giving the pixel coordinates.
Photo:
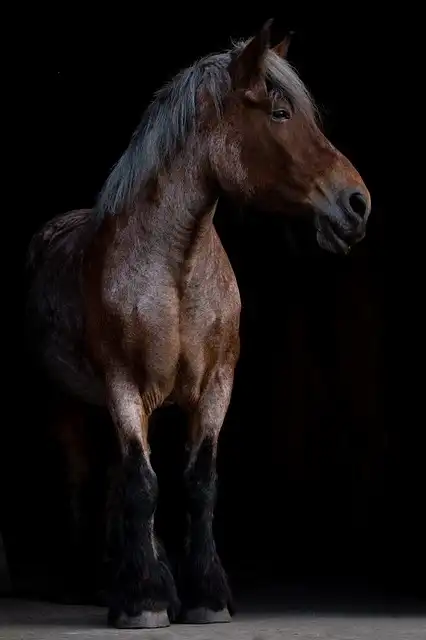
(341, 222)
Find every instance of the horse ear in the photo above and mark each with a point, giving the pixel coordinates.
(282, 48)
(247, 64)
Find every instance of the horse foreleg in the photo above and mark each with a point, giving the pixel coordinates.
(205, 592)
(143, 593)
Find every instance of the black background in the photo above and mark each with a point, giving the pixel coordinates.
(315, 484)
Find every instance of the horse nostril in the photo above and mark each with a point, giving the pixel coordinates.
(358, 204)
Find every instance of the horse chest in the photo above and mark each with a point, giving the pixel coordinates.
(209, 322)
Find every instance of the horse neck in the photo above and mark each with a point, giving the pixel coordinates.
(174, 212)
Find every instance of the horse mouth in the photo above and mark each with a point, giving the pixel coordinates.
(332, 243)
(334, 238)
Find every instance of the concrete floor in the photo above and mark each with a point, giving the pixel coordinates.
(25, 620)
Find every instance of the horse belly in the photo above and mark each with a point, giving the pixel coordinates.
(72, 372)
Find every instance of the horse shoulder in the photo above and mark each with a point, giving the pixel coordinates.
(134, 318)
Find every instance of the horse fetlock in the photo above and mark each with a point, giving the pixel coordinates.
(144, 599)
(205, 585)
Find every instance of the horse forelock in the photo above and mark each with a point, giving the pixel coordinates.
(172, 115)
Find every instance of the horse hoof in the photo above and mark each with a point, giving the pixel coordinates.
(145, 620)
(202, 615)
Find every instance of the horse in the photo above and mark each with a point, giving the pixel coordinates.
(134, 303)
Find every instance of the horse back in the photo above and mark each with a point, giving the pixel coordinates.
(58, 239)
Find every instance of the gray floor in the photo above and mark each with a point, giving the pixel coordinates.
(25, 620)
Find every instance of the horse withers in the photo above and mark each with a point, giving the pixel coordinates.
(134, 302)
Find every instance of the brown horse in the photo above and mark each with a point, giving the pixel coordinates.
(134, 302)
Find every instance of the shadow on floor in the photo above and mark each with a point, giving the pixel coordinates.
(266, 601)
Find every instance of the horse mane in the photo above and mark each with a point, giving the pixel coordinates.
(171, 117)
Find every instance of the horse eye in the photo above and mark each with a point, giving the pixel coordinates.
(279, 115)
